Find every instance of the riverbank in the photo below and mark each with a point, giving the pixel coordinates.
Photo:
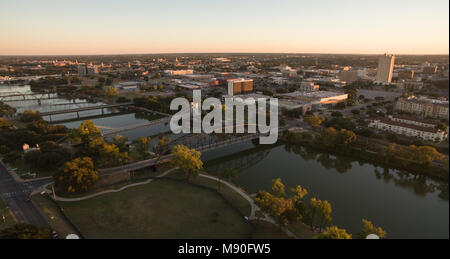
(360, 152)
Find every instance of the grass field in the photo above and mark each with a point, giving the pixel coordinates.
(6, 218)
(52, 214)
(161, 209)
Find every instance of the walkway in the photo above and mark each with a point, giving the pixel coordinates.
(254, 207)
(57, 198)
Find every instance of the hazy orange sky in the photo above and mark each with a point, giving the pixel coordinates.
(55, 27)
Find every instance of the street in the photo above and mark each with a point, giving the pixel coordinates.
(15, 196)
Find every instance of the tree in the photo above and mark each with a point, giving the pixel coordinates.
(5, 124)
(368, 228)
(329, 137)
(26, 231)
(30, 116)
(285, 210)
(105, 154)
(442, 127)
(85, 133)
(6, 110)
(188, 160)
(334, 233)
(425, 155)
(111, 91)
(161, 147)
(77, 175)
(12, 157)
(121, 143)
(314, 121)
(346, 137)
(352, 95)
(320, 210)
(142, 146)
(278, 188)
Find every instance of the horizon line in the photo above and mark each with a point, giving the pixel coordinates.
(226, 53)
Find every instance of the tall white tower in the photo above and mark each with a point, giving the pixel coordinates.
(385, 69)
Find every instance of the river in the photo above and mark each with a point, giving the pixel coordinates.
(403, 204)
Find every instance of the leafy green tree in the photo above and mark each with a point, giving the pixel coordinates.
(368, 228)
(6, 110)
(12, 157)
(30, 116)
(321, 211)
(314, 121)
(425, 155)
(188, 160)
(329, 137)
(26, 231)
(334, 233)
(346, 137)
(122, 143)
(105, 154)
(142, 146)
(285, 210)
(5, 124)
(111, 92)
(77, 175)
(85, 133)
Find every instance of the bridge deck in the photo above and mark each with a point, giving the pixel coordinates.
(85, 109)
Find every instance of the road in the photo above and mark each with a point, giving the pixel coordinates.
(15, 195)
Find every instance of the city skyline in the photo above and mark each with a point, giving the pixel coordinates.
(139, 27)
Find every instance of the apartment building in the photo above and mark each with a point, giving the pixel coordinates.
(426, 107)
(409, 127)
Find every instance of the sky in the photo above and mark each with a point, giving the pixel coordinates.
(63, 27)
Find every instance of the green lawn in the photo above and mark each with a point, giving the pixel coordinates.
(161, 209)
(230, 195)
(6, 218)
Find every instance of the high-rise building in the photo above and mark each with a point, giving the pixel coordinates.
(82, 71)
(239, 86)
(385, 69)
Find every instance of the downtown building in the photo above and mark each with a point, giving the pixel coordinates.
(239, 86)
(385, 69)
(410, 127)
(425, 107)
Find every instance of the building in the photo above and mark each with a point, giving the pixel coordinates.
(82, 71)
(423, 106)
(92, 70)
(239, 86)
(385, 69)
(348, 76)
(179, 72)
(406, 75)
(88, 70)
(309, 86)
(430, 69)
(409, 127)
(409, 85)
(414, 121)
(317, 97)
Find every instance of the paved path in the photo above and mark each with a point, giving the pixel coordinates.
(254, 207)
(112, 191)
